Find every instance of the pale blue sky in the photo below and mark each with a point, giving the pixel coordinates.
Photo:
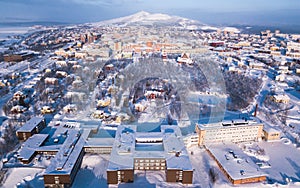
(212, 11)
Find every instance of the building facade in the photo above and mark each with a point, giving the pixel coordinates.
(31, 127)
(154, 151)
(232, 131)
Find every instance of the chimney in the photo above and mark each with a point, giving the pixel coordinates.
(255, 111)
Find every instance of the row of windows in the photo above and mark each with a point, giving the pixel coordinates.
(150, 168)
(231, 132)
(150, 164)
(234, 129)
(150, 160)
(98, 150)
(231, 139)
(235, 137)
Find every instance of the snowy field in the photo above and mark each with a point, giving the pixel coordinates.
(284, 161)
(24, 177)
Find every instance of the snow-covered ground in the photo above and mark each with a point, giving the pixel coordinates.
(92, 172)
(284, 161)
(24, 177)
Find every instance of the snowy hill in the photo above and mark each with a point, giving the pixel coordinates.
(157, 19)
(145, 18)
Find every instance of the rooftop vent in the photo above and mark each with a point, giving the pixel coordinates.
(242, 172)
(177, 154)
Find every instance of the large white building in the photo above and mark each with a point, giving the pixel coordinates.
(229, 131)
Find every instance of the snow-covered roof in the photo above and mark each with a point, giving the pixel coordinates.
(31, 124)
(228, 124)
(65, 160)
(167, 144)
(270, 129)
(281, 97)
(122, 153)
(234, 161)
(30, 146)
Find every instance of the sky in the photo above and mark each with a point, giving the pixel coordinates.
(270, 12)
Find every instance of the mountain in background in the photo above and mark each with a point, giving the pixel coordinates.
(156, 19)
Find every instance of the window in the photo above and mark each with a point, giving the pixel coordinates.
(56, 179)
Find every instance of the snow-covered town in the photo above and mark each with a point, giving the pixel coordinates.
(149, 100)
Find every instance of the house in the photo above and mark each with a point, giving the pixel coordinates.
(61, 74)
(47, 110)
(104, 102)
(61, 63)
(31, 127)
(109, 67)
(185, 59)
(70, 108)
(257, 65)
(80, 55)
(280, 98)
(18, 96)
(139, 107)
(18, 109)
(51, 81)
(280, 77)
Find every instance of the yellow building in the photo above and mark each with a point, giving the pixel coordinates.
(280, 98)
(271, 134)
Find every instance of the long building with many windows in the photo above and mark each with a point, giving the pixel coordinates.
(229, 131)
